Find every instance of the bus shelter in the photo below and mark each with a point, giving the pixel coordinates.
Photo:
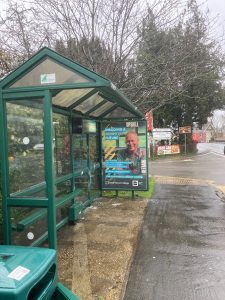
(60, 125)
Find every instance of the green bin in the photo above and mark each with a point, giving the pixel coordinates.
(62, 293)
(27, 273)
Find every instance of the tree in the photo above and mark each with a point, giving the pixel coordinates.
(179, 71)
(21, 34)
(87, 30)
(6, 63)
(93, 54)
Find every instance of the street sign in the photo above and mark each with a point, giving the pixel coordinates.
(186, 129)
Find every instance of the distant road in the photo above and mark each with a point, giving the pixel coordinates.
(208, 164)
(211, 147)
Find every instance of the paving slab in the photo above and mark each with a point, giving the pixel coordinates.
(96, 253)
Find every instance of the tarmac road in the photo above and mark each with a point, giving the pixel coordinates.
(181, 253)
(207, 165)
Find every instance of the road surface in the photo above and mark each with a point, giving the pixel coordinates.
(209, 164)
(181, 254)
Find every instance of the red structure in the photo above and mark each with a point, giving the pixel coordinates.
(149, 119)
(199, 137)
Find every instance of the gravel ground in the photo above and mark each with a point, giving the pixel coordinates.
(95, 254)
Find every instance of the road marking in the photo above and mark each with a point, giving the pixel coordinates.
(221, 155)
(182, 180)
(204, 154)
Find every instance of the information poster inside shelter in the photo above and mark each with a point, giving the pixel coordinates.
(124, 155)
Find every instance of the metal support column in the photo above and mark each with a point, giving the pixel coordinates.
(49, 170)
(4, 173)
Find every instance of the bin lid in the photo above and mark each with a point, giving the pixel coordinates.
(22, 265)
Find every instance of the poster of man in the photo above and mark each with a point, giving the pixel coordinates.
(132, 153)
(124, 159)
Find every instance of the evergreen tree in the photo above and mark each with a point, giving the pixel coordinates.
(95, 55)
(179, 71)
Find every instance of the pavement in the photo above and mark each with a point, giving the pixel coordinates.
(99, 257)
(180, 255)
(94, 255)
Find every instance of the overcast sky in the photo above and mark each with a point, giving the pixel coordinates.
(217, 13)
(216, 9)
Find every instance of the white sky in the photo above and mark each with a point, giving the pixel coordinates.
(216, 13)
(217, 7)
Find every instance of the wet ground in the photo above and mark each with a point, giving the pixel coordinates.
(176, 240)
(181, 254)
(96, 253)
(209, 164)
(180, 246)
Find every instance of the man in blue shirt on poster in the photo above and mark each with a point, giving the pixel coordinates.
(132, 153)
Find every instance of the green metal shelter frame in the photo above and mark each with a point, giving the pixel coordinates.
(51, 84)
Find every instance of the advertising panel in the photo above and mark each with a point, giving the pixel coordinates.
(124, 155)
(168, 149)
(185, 129)
(160, 134)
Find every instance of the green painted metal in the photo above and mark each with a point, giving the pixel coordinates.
(67, 198)
(48, 205)
(4, 172)
(29, 191)
(49, 169)
(41, 186)
(121, 100)
(108, 111)
(107, 89)
(72, 180)
(32, 218)
(33, 273)
(99, 128)
(82, 99)
(95, 107)
(44, 237)
(65, 112)
(65, 86)
(121, 120)
(88, 166)
(75, 211)
(25, 197)
(33, 95)
(27, 202)
(46, 52)
(62, 293)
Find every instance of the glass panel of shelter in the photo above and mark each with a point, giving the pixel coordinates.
(89, 103)
(26, 168)
(65, 98)
(62, 149)
(25, 144)
(48, 72)
(25, 232)
(119, 112)
(94, 166)
(86, 160)
(102, 109)
(80, 167)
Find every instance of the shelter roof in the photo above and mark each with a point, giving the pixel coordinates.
(73, 86)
